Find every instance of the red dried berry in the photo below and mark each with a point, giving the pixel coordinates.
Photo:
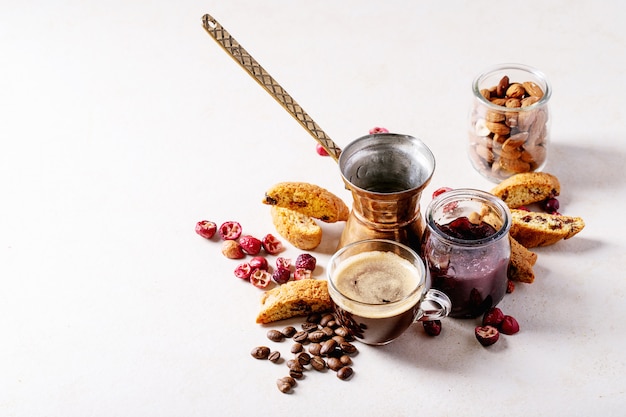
(283, 263)
(377, 129)
(206, 228)
(493, 317)
(243, 271)
(259, 262)
(302, 273)
(250, 244)
(272, 245)
(232, 250)
(551, 205)
(487, 335)
(281, 275)
(440, 191)
(320, 150)
(432, 327)
(306, 261)
(230, 230)
(260, 278)
(510, 287)
(509, 325)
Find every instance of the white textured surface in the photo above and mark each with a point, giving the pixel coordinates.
(123, 123)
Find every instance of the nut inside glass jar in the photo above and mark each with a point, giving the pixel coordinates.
(509, 121)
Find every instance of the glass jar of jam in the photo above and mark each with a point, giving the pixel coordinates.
(509, 121)
(467, 249)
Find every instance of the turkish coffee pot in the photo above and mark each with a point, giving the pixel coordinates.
(385, 172)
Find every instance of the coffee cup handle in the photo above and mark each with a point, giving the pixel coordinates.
(434, 306)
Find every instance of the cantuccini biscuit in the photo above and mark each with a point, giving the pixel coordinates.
(527, 188)
(293, 299)
(298, 229)
(521, 263)
(308, 199)
(532, 229)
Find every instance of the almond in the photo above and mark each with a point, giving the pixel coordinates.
(515, 90)
(533, 89)
(499, 128)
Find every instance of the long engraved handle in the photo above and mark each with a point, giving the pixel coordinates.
(247, 62)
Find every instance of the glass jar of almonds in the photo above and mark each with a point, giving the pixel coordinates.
(509, 121)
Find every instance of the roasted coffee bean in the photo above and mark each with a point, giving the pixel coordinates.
(314, 318)
(304, 358)
(301, 336)
(325, 319)
(345, 373)
(289, 331)
(260, 352)
(296, 347)
(315, 348)
(309, 327)
(342, 331)
(345, 359)
(334, 363)
(274, 356)
(347, 347)
(339, 339)
(275, 336)
(328, 346)
(332, 324)
(317, 336)
(318, 363)
(285, 384)
(328, 332)
(296, 373)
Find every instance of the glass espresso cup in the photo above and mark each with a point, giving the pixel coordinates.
(379, 288)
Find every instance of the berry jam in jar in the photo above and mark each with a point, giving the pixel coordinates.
(467, 250)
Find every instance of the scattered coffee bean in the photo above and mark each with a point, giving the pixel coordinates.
(274, 356)
(345, 373)
(285, 384)
(309, 327)
(347, 347)
(318, 363)
(328, 346)
(315, 349)
(314, 318)
(345, 359)
(342, 331)
(289, 331)
(328, 332)
(304, 358)
(326, 318)
(275, 336)
(297, 347)
(260, 352)
(301, 336)
(334, 364)
(339, 339)
(316, 336)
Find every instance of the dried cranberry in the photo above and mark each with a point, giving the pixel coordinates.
(283, 263)
(433, 327)
(250, 244)
(206, 228)
(509, 325)
(487, 335)
(260, 278)
(320, 150)
(551, 205)
(302, 273)
(306, 261)
(462, 228)
(272, 245)
(493, 317)
(259, 262)
(232, 250)
(440, 191)
(281, 275)
(243, 270)
(377, 129)
(510, 287)
(230, 230)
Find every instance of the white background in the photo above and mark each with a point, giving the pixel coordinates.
(123, 123)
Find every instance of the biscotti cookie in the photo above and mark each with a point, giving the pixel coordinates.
(532, 229)
(293, 299)
(298, 229)
(308, 199)
(521, 263)
(527, 188)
